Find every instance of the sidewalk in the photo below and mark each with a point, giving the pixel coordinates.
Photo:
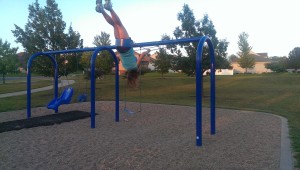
(62, 84)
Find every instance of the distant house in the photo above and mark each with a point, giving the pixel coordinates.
(260, 60)
(152, 59)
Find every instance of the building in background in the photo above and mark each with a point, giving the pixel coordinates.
(260, 60)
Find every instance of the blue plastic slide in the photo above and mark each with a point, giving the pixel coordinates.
(65, 98)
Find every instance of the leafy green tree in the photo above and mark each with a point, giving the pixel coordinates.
(233, 58)
(163, 62)
(85, 63)
(102, 40)
(105, 61)
(44, 31)
(246, 59)
(85, 60)
(100, 64)
(294, 59)
(278, 66)
(176, 54)
(74, 41)
(23, 59)
(190, 27)
(8, 59)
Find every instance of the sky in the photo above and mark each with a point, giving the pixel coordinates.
(272, 25)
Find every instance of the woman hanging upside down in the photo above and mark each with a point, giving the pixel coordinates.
(128, 59)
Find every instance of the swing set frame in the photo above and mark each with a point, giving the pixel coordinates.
(202, 40)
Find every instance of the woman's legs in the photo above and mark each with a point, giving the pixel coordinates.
(112, 23)
(123, 34)
(119, 30)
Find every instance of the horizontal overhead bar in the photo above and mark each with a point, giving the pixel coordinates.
(143, 44)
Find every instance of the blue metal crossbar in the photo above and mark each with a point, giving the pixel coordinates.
(144, 44)
(96, 50)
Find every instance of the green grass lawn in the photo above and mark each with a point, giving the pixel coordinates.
(273, 93)
(15, 86)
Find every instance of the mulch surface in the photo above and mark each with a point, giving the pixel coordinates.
(46, 120)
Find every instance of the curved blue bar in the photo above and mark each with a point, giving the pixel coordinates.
(199, 85)
(93, 82)
(29, 63)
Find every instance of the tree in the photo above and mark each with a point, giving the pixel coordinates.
(85, 63)
(278, 64)
(44, 31)
(175, 60)
(8, 59)
(73, 41)
(102, 39)
(104, 61)
(163, 62)
(246, 59)
(190, 27)
(294, 59)
(233, 58)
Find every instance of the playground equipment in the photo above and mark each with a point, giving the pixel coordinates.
(65, 98)
(82, 97)
(126, 109)
(96, 50)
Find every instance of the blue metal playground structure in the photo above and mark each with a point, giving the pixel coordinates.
(63, 99)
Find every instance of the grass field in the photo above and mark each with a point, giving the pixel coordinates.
(273, 93)
(19, 86)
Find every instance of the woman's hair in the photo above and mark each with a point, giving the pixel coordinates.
(132, 78)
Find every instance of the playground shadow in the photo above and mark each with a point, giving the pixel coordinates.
(46, 120)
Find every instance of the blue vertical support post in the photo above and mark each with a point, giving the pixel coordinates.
(117, 88)
(199, 80)
(199, 87)
(56, 85)
(93, 91)
(28, 91)
(117, 94)
(212, 88)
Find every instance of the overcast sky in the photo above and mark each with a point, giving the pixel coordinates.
(273, 25)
